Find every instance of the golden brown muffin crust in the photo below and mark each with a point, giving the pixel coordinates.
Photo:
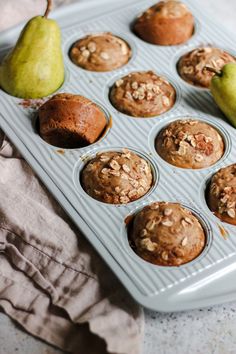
(70, 121)
(166, 23)
(167, 234)
(190, 144)
(142, 94)
(117, 177)
(100, 52)
(191, 65)
(222, 194)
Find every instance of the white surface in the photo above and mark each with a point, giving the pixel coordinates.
(207, 331)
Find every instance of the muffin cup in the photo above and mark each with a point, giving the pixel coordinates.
(105, 132)
(84, 159)
(126, 242)
(222, 131)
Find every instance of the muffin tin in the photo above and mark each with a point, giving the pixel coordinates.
(207, 279)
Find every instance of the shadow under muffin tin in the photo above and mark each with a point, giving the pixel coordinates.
(104, 224)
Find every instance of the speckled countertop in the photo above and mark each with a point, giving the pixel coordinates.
(204, 331)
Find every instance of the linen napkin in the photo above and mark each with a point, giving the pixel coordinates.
(52, 282)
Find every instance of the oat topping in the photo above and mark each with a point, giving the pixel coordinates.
(100, 52)
(192, 65)
(222, 194)
(190, 142)
(120, 177)
(164, 237)
(146, 93)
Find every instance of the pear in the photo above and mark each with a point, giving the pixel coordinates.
(223, 89)
(34, 68)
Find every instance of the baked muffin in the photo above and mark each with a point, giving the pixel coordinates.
(191, 65)
(167, 234)
(70, 121)
(117, 177)
(100, 52)
(190, 144)
(221, 196)
(142, 94)
(166, 23)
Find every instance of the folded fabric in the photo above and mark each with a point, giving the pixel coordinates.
(51, 280)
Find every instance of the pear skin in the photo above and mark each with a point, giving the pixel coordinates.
(34, 68)
(223, 89)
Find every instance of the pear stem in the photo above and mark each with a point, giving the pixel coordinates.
(48, 9)
(213, 70)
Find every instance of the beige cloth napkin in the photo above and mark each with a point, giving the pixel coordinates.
(51, 280)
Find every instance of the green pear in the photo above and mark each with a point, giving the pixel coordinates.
(223, 89)
(34, 68)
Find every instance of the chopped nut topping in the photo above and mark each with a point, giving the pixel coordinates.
(188, 220)
(114, 173)
(124, 200)
(184, 241)
(104, 56)
(150, 225)
(92, 47)
(188, 69)
(117, 189)
(132, 193)
(114, 164)
(165, 101)
(119, 82)
(128, 95)
(231, 213)
(154, 206)
(168, 212)
(165, 256)
(143, 233)
(134, 85)
(148, 244)
(126, 168)
(167, 223)
(198, 158)
(86, 53)
(104, 158)
(105, 171)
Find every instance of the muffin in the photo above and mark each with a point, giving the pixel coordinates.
(167, 234)
(117, 177)
(70, 121)
(142, 94)
(166, 23)
(100, 52)
(221, 196)
(191, 65)
(190, 144)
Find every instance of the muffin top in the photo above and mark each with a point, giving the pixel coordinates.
(70, 121)
(190, 144)
(117, 177)
(167, 234)
(165, 9)
(222, 194)
(142, 94)
(191, 65)
(100, 52)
